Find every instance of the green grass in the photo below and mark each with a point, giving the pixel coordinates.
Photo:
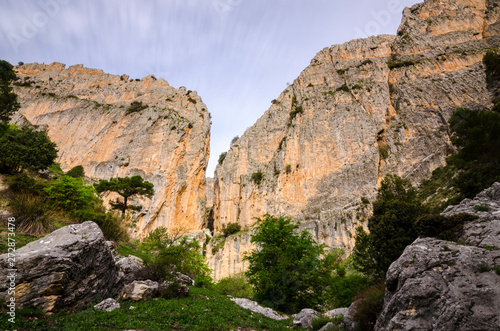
(202, 310)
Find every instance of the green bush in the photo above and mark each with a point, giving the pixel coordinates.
(257, 177)
(393, 64)
(289, 271)
(392, 227)
(343, 88)
(222, 156)
(297, 110)
(136, 106)
(443, 227)
(71, 193)
(22, 183)
(481, 208)
(26, 149)
(76, 172)
(319, 322)
(230, 229)
(343, 290)
(369, 307)
(170, 253)
(236, 286)
(110, 224)
(8, 100)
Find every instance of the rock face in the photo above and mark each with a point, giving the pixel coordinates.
(87, 114)
(360, 110)
(70, 268)
(440, 285)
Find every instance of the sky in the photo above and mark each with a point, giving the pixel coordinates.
(237, 54)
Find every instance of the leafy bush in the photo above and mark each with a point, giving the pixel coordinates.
(383, 151)
(288, 168)
(295, 111)
(222, 156)
(443, 227)
(170, 253)
(76, 172)
(369, 307)
(343, 289)
(110, 224)
(22, 183)
(230, 229)
(71, 193)
(257, 177)
(8, 100)
(287, 271)
(343, 88)
(491, 61)
(26, 149)
(393, 64)
(320, 322)
(136, 106)
(236, 286)
(392, 227)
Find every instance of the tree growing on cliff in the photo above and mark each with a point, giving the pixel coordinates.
(8, 99)
(126, 187)
(288, 271)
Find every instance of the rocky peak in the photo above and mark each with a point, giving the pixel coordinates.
(115, 126)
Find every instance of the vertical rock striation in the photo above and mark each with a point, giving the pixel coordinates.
(87, 113)
(360, 110)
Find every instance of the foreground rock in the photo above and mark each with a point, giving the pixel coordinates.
(440, 285)
(108, 305)
(70, 268)
(305, 317)
(256, 308)
(131, 268)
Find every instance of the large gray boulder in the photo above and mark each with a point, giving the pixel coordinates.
(441, 285)
(305, 317)
(140, 290)
(255, 307)
(130, 268)
(69, 268)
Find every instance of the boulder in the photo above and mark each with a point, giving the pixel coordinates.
(139, 290)
(130, 268)
(108, 305)
(256, 308)
(442, 285)
(349, 322)
(69, 268)
(305, 317)
(336, 312)
(183, 279)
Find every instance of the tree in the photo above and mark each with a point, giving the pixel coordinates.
(392, 227)
(287, 270)
(71, 193)
(26, 149)
(76, 172)
(8, 100)
(126, 187)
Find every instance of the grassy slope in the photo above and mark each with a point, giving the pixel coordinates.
(202, 310)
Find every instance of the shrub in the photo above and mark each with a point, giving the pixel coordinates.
(170, 253)
(481, 208)
(26, 149)
(295, 111)
(76, 172)
(235, 139)
(369, 307)
(392, 227)
(236, 286)
(497, 269)
(393, 64)
(8, 99)
(32, 213)
(230, 229)
(136, 106)
(288, 272)
(343, 289)
(320, 322)
(257, 177)
(288, 168)
(357, 87)
(222, 156)
(343, 88)
(443, 227)
(71, 193)
(383, 151)
(22, 183)
(110, 224)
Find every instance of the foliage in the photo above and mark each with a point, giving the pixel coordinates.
(320, 322)
(257, 177)
(369, 307)
(55, 168)
(383, 151)
(343, 88)
(8, 99)
(443, 227)
(391, 227)
(287, 271)
(222, 156)
(343, 289)
(174, 253)
(26, 149)
(136, 106)
(477, 135)
(71, 193)
(235, 139)
(126, 187)
(230, 229)
(22, 183)
(32, 213)
(393, 64)
(110, 224)
(491, 61)
(76, 172)
(297, 110)
(236, 286)
(202, 310)
(288, 168)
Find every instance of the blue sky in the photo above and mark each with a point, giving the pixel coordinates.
(238, 54)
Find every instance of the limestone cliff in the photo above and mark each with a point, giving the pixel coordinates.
(88, 114)
(358, 111)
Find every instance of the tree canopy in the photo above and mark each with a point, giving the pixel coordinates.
(26, 149)
(8, 99)
(126, 187)
(287, 271)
